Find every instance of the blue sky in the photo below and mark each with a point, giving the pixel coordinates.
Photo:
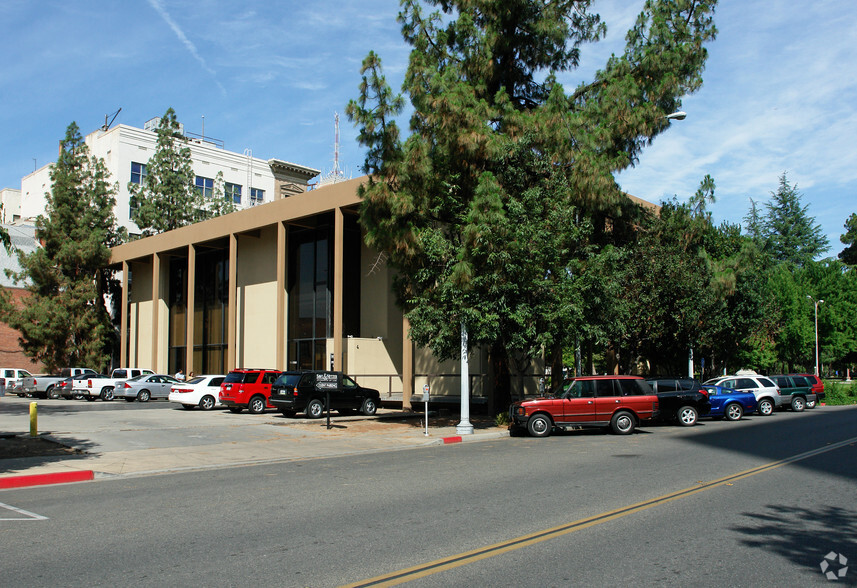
(779, 92)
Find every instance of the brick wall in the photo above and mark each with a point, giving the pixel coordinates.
(11, 355)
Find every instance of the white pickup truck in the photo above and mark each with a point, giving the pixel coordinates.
(103, 387)
(45, 386)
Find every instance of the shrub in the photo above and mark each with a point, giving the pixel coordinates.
(502, 419)
(839, 393)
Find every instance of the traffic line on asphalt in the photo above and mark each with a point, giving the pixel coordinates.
(468, 557)
(28, 516)
(43, 479)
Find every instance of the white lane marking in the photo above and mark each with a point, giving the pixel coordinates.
(30, 516)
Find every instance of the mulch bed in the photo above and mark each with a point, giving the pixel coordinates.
(26, 446)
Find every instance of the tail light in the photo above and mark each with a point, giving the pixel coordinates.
(182, 390)
(127, 385)
(296, 391)
(89, 383)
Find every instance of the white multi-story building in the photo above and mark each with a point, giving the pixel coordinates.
(127, 150)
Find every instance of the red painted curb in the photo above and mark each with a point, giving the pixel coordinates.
(43, 479)
(447, 440)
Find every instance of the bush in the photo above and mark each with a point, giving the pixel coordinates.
(839, 393)
(502, 420)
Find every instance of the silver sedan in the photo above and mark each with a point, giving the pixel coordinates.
(145, 388)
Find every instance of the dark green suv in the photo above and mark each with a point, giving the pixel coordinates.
(796, 391)
(310, 391)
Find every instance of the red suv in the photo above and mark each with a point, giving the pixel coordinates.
(817, 387)
(618, 402)
(248, 388)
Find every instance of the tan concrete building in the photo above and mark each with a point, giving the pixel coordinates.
(289, 285)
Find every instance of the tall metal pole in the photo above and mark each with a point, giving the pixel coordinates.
(464, 427)
(816, 303)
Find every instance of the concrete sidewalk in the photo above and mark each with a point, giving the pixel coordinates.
(150, 439)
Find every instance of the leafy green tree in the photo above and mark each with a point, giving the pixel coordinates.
(482, 81)
(849, 254)
(168, 197)
(64, 321)
(790, 233)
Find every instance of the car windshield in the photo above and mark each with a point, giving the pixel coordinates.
(195, 380)
(135, 378)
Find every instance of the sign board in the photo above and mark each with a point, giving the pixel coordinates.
(326, 381)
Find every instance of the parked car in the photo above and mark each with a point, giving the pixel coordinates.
(96, 386)
(248, 388)
(766, 392)
(796, 391)
(104, 386)
(618, 402)
(146, 387)
(680, 400)
(817, 388)
(728, 403)
(45, 386)
(67, 387)
(201, 391)
(13, 377)
(308, 391)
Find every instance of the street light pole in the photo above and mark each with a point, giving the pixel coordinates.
(816, 303)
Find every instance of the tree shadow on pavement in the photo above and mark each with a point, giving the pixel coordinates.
(19, 452)
(803, 536)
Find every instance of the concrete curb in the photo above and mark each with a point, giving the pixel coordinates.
(45, 479)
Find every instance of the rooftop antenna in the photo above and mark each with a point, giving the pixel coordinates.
(336, 174)
(106, 124)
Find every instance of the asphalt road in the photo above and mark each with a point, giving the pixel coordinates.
(759, 502)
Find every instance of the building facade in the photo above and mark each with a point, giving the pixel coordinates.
(289, 284)
(126, 150)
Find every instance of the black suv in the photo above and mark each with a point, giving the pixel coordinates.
(682, 400)
(308, 391)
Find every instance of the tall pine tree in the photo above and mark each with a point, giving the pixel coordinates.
(849, 254)
(168, 197)
(790, 233)
(483, 84)
(64, 321)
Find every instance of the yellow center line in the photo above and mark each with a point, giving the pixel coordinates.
(468, 557)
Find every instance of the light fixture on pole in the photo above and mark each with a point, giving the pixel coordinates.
(816, 303)
(678, 115)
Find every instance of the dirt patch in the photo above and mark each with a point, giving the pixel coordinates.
(26, 446)
(410, 423)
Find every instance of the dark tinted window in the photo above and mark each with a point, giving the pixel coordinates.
(580, 389)
(766, 382)
(270, 377)
(288, 380)
(630, 387)
(801, 381)
(665, 385)
(605, 388)
(782, 381)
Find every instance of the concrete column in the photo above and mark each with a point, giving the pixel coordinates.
(280, 314)
(191, 301)
(407, 365)
(338, 242)
(123, 321)
(156, 305)
(231, 313)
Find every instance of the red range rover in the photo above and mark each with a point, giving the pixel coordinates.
(617, 402)
(248, 388)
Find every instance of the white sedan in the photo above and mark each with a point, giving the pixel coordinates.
(201, 391)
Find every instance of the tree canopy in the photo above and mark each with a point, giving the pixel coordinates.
(64, 321)
(168, 197)
(485, 206)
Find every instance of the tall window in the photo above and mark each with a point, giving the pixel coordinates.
(256, 196)
(205, 186)
(138, 172)
(233, 191)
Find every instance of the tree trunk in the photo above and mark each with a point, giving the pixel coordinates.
(556, 367)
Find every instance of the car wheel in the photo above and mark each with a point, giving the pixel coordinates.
(314, 409)
(369, 407)
(811, 403)
(143, 396)
(107, 394)
(256, 405)
(766, 407)
(235, 409)
(77, 396)
(539, 425)
(52, 393)
(687, 416)
(734, 412)
(207, 402)
(622, 423)
(287, 413)
(798, 404)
